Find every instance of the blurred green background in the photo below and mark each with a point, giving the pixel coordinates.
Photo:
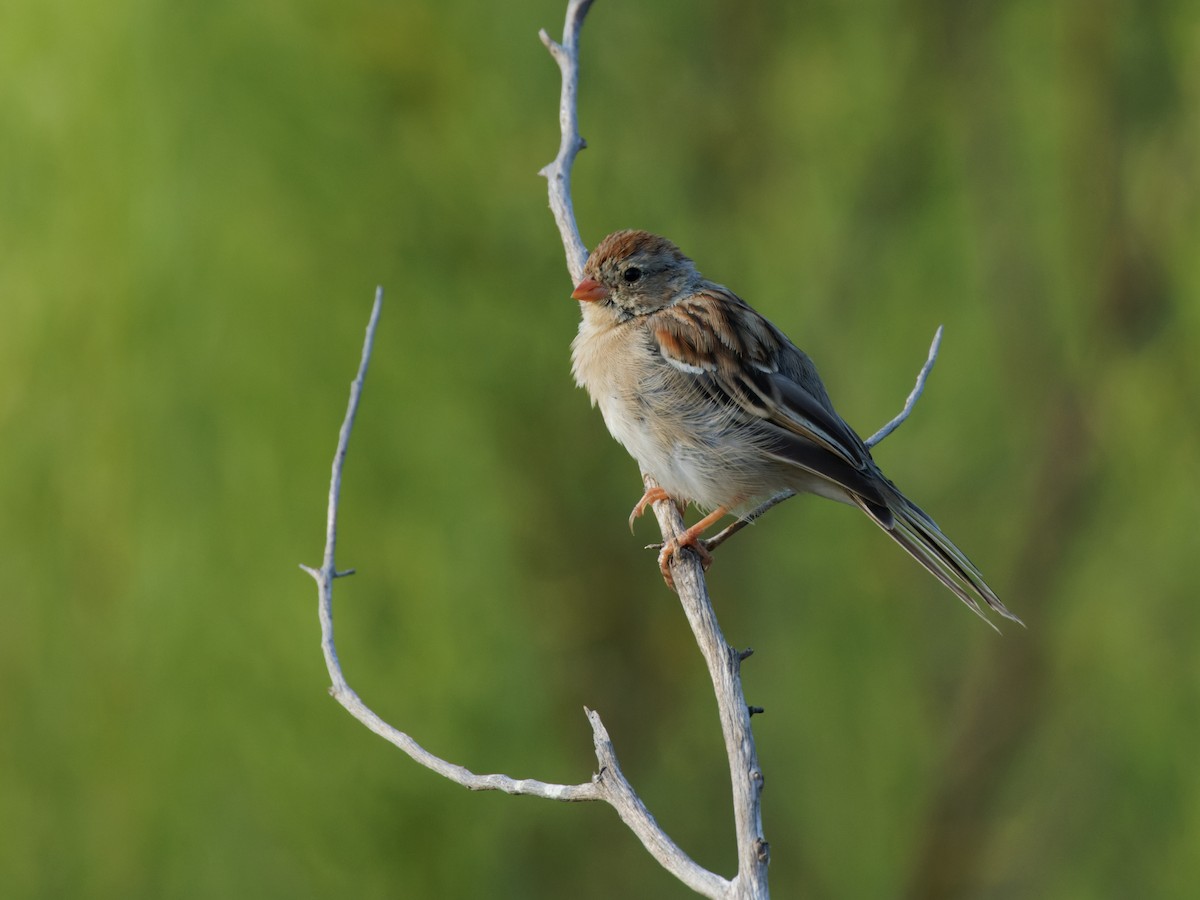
(197, 200)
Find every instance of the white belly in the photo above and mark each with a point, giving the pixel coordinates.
(688, 445)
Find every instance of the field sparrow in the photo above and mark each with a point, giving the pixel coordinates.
(723, 411)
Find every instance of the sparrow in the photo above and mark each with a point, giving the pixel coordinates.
(724, 412)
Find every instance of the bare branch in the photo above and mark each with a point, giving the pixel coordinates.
(633, 812)
(734, 527)
(730, 530)
(558, 173)
(724, 663)
(913, 396)
(609, 785)
(724, 668)
(345, 695)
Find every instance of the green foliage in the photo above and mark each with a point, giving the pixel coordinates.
(196, 202)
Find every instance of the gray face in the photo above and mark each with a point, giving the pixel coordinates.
(643, 272)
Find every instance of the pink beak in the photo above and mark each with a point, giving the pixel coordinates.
(590, 291)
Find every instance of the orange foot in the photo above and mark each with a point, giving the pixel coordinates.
(653, 495)
(689, 539)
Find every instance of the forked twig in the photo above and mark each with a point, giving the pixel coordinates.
(609, 784)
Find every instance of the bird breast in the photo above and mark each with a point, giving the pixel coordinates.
(677, 434)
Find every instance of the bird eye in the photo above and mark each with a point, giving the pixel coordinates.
(632, 274)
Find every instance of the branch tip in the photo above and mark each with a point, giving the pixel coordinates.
(914, 395)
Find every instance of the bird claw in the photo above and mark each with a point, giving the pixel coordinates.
(671, 548)
(689, 539)
(652, 495)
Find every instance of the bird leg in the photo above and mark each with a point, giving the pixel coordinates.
(652, 495)
(690, 539)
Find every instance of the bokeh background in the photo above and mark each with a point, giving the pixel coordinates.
(197, 200)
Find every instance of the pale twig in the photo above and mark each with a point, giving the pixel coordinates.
(750, 518)
(724, 668)
(558, 173)
(724, 663)
(341, 691)
(914, 395)
(609, 784)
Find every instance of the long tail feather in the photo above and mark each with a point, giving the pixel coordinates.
(919, 535)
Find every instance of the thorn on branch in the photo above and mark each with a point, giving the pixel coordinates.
(762, 851)
(744, 655)
(755, 710)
